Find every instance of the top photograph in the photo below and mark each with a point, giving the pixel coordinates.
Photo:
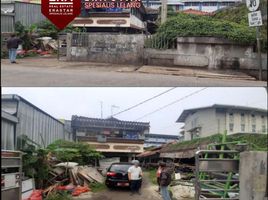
(58, 43)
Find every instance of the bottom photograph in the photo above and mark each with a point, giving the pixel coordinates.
(128, 143)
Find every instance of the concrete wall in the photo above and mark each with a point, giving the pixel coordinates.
(208, 53)
(109, 48)
(253, 176)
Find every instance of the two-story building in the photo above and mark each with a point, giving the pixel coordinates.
(210, 120)
(157, 140)
(111, 136)
(112, 17)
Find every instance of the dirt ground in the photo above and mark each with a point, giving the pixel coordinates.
(148, 192)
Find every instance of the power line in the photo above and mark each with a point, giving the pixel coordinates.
(176, 101)
(144, 101)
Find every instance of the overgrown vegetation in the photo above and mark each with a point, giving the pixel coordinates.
(152, 175)
(239, 14)
(42, 29)
(59, 195)
(193, 25)
(62, 151)
(257, 142)
(97, 187)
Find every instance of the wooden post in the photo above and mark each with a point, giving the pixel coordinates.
(164, 11)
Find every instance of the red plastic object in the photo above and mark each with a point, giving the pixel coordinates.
(66, 187)
(79, 190)
(36, 195)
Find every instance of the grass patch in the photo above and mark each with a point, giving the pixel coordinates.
(62, 195)
(257, 142)
(152, 175)
(97, 187)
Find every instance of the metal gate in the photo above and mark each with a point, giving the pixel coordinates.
(217, 170)
(62, 46)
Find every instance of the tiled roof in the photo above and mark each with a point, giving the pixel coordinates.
(86, 122)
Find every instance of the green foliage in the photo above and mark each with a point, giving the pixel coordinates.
(239, 14)
(192, 25)
(257, 142)
(60, 195)
(47, 29)
(152, 175)
(79, 152)
(97, 187)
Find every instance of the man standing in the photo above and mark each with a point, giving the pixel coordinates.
(158, 172)
(134, 176)
(165, 180)
(12, 45)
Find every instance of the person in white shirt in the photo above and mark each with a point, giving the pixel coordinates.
(135, 177)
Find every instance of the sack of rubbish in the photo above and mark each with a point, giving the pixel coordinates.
(36, 195)
(79, 190)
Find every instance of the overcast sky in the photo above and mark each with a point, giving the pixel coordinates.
(64, 102)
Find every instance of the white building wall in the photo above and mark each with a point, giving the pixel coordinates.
(204, 118)
(212, 122)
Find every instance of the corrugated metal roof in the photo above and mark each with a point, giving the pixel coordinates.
(19, 98)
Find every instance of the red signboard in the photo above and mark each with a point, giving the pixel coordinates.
(126, 4)
(61, 12)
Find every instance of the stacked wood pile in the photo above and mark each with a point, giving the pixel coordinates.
(64, 178)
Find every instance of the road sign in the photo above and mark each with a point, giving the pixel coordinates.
(254, 18)
(253, 5)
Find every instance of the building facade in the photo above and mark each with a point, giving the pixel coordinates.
(112, 137)
(111, 19)
(33, 122)
(157, 140)
(206, 121)
(201, 5)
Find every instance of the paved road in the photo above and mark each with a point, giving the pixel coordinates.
(47, 72)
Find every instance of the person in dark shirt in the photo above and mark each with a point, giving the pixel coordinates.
(165, 180)
(12, 45)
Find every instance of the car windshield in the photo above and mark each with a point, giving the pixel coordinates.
(119, 168)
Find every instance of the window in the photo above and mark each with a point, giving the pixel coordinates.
(231, 117)
(263, 129)
(242, 118)
(253, 119)
(243, 127)
(254, 128)
(231, 127)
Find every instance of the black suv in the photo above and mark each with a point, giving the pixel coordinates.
(117, 175)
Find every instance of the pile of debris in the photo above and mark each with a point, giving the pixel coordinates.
(73, 178)
(42, 46)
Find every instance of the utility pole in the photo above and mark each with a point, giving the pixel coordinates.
(101, 104)
(259, 52)
(163, 11)
(112, 107)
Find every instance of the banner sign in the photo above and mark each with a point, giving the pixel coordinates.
(61, 12)
(126, 4)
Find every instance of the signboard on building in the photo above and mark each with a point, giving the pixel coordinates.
(126, 4)
(61, 12)
(253, 5)
(254, 18)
